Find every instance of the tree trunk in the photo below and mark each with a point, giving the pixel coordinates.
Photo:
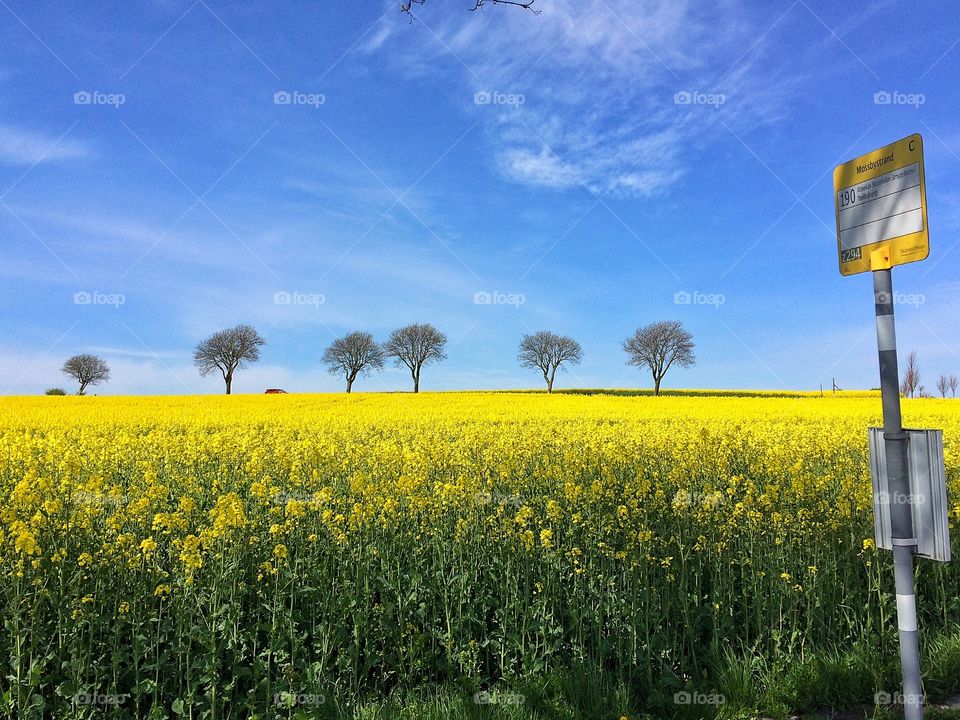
(229, 382)
(349, 384)
(416, 383)
(656, 385)
(83, 388)
(550, 385)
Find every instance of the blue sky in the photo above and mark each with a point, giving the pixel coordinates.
(314, 169)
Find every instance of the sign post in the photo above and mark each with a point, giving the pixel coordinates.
(901, 520)
(881, 213)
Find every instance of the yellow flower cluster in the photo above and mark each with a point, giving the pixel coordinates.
(673, 502)
(191, 474)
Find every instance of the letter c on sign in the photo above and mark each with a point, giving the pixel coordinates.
(911, 146)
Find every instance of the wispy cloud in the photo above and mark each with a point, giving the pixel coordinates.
(28, 147)
(379, 35)
(134, 353)
(586, 94)
(644, 165)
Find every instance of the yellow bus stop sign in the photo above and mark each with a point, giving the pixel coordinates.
(881, 204)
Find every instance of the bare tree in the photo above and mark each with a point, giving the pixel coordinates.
(407, 5)
(353, 355)
(659, 346)
(228, 351)
(415, 346)
(943, 384)
(911, 376)
(86, 370)
(547, 351)
(952, 381)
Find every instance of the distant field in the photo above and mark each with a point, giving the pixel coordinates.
(702, 392)
(316, 554)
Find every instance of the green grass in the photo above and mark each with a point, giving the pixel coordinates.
(839, 685)
(705, 392)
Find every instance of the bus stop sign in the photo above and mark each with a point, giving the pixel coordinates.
(881, 208)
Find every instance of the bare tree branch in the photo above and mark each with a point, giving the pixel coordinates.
(911, 376)
(352, 355)
(547, 351)
(415, 346)
(86, 370)
(658, 346)
(407, 7)
(228, 351)
(943, 384)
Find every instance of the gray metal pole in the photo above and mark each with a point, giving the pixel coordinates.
(901, 520)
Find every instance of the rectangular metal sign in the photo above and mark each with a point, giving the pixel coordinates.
(881, 204)
(928, 492)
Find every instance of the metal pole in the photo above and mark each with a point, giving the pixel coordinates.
(901, 520)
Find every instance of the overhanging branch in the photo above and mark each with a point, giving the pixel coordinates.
(407, 5)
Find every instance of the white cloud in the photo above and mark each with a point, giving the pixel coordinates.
(538, 168)
(643, 166)
(598, 83)
(128, 353)
(26, 147)
(375, 39)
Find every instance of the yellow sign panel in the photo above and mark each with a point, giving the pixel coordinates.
(881, 203)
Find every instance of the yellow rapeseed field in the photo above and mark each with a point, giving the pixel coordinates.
(211, 552)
